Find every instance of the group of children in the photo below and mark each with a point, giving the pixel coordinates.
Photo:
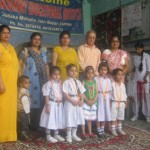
(71, 103)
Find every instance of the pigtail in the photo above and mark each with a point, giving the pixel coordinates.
(141, 64)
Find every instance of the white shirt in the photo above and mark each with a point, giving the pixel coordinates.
(118, 92)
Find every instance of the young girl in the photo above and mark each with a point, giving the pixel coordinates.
(73, 112)
(141, 79)
(52, 115)
(89, 106)
(104, 90)
(118, 102)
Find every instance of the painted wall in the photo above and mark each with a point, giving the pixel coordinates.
(101, 6)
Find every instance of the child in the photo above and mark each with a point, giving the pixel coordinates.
(104, 89)
(52, 114)
(73, 112)
(23, 106)
(141, 78)
(89, 106)
(118, 102)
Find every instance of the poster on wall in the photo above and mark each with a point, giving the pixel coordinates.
(43, 15)
(136, 21)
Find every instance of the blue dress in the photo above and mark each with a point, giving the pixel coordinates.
(31, 71)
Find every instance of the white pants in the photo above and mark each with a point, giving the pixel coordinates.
(117, 112)
(145, 99)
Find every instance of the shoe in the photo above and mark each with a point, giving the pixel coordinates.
(51, 139)
(24, 136)
(148, 120)
(121, 132)
(75, 138)
(84, 136)
(104, 135)
(59, 138)
(69, 139)
(91, 135)
(114, 133)
(134, 118)
(100, 135)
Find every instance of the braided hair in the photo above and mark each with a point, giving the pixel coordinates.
(140, 45)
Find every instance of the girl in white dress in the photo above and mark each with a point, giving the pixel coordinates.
(90, 100)
(73, 96)
(104, 90)
(52, 114)
(141, 79)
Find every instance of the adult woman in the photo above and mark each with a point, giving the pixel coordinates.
(115, 57)
(8, 87)
(36, 69)
(64, 55)
(141, 78)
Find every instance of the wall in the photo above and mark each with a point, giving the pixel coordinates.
(101, 6)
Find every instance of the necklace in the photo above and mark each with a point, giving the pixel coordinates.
(118, 96)
(91, 90)
(104, 92)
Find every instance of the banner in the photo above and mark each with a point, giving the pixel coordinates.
(43, 15)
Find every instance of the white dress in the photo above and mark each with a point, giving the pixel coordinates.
(144, 92)
(73, 115)
(103, 111)
(54, 120)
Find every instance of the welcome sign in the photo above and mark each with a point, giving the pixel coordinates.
(43, 15)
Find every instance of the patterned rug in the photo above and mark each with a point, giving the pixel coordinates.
(135, 139)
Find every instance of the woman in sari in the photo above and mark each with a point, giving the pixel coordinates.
(64, 55)
(36, 69)
(8, 87)
(115, 57)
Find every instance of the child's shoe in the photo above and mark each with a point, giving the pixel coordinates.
(120, 131)
(59, 138)
(91, 135)
(114, 133)
(69, 139)
(84, 136)
(51, 139)
(75, 138)
(24, 136)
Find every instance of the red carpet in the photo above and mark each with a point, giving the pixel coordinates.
(135, 139)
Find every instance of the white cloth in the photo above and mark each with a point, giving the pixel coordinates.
(117, 112)
(53, 120)
(103, 111)
(118, 94)
(73, 115)
(145, 98)
(138, 76)
(118, 90)
(89, 111)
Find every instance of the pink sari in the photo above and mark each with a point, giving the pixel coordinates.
(115, 59)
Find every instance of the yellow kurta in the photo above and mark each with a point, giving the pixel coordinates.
(64, 58)
(8, 100)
